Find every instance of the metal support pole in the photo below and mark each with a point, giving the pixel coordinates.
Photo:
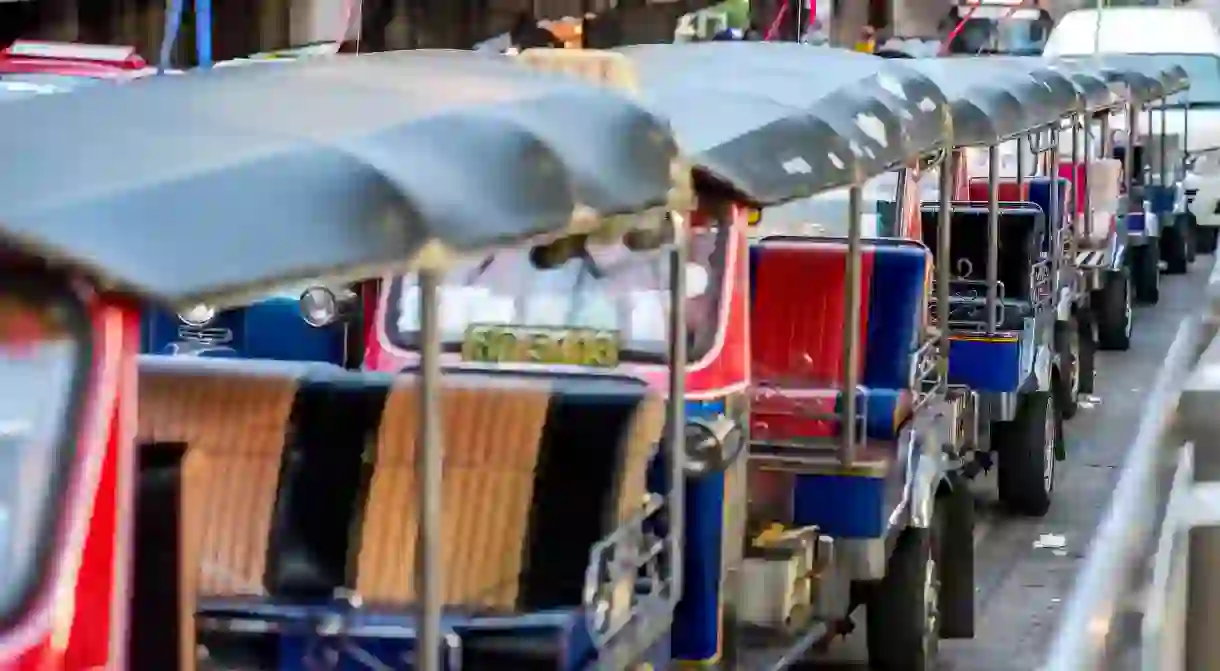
(1089, 159)
(1077, 183)
(1056, 219)
(428, 466)
(1022, 147)
(1148, 155)
(993, 236)
(944, 253)
(1128, 166)
(1164, 152)
(1107, 144)
(851, 353)
(676, 408)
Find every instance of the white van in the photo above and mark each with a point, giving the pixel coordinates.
(1172, 35)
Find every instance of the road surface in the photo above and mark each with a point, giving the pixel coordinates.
(1021, 587)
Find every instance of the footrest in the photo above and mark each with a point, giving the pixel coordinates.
(1091, 259)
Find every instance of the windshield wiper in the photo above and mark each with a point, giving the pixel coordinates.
(478, 270)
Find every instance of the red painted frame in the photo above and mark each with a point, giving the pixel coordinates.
(78, 618)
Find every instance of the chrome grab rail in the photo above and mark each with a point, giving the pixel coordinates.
(1173, 467)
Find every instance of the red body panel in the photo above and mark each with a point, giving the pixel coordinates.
(1078, 178)
(798, 318)
(69, 68)
(1009, 191)
(78, 618)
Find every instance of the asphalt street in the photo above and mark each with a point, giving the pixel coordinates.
(1026, 567)
(1022, 578)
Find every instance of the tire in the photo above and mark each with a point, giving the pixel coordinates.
(1173, 248)
(1205, 239)
(1088, 353)
(1188, 227)
(1146, 272)
(1067, 346)
(1112, 311)
(956, 515)
(1026, 448)
(903, 609)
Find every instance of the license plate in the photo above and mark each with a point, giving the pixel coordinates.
(490, 343)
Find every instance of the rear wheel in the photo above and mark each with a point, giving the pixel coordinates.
(1146, 271)
(1068, 347)
(903, 610)
(1173, 248)
(1112, 310)
(1205, 239)
(1026, 448)
(955, 512)
(1192, 240)
(1087, 336)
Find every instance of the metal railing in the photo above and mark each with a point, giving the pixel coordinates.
(1156, 553)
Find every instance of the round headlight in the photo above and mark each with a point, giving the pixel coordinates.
(711, 445)
(197, 316)
(318, 306)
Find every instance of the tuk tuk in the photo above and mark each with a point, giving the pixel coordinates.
(1156, 203)
(776, 563)
(1037, 181)
(295, 512)
(301, 323)
(1142, 239)
(1002, 311)
(1099, 245)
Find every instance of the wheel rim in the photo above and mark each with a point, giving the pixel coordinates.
(931, 604)
(1048, 448)
(1127, 312)
(1074, 364)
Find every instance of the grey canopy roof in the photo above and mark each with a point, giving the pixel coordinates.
(1091, 90)
(1145, 81)
(1167, 80)
(1091, 82)
(214, 185)
(995, 101)
(775, 122)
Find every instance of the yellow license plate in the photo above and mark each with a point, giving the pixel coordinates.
(489, 343)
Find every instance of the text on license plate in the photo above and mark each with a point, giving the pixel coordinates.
(530, 344)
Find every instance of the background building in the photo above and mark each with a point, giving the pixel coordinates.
(242, 27)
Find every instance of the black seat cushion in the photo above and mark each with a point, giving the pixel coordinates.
(1013, 312)
(155, 598)
(1022, 228)
(582, 465)
(323, 480)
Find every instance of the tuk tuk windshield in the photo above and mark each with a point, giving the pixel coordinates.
(611, 290)
(41, 359)
(826, 213)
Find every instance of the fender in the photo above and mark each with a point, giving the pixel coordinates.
(1065, 305)
(927, 464)
(1118, 254)
(1043, 361)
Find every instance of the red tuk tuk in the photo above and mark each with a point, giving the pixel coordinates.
(147, 493)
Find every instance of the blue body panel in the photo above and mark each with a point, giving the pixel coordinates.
(986, 363)
(842, 506)
(696, 631)
(901, 279)
(1161, 199)
(269, 329)
(1040, 195)
(389, 637)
